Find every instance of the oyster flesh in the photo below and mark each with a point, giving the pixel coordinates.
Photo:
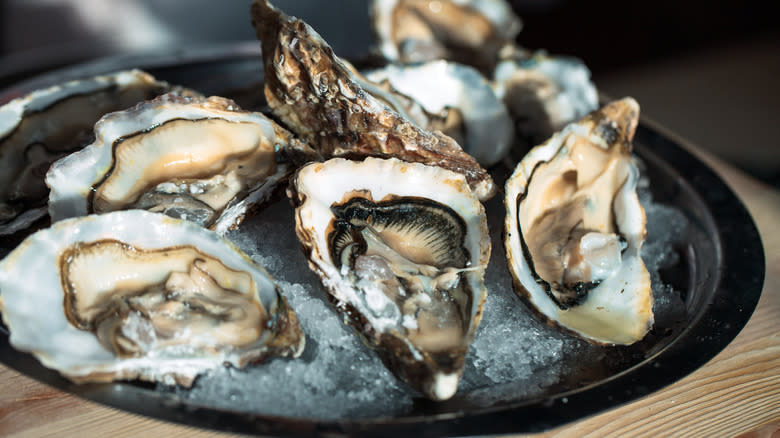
(543, 93)
(440, 86)
(317, 96)
(402, 250)
(471, 32)
(199, 159)
(133, 294)
(50, 123)
(575, 228)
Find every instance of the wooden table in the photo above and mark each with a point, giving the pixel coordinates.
(736, 393)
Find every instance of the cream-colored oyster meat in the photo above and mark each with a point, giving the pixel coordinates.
(199, 159)
(401, 249)
(133, 294)
(47, 124)
(471, 32)
(575, 228)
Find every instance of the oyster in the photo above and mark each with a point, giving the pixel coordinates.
(199, 159)
(441, 85)
(134, 294)
(317, 96)
(50, 123)
(448, 120)
(575, 228)
(402, 250)
(471, 32)
(544, 93)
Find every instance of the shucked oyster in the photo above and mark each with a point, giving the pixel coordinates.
(199, 159)
(134, 294)
(575, 228)
(317, 96)
(471, 32)
(47, 124)
(543, 94)
(402, 250)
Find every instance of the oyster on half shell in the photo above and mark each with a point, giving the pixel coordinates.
(199, 159)
(543, 93)
(575, 228)
(47, 124)
(317, 96)
(133, 294)
(471, 32)
(401, 249)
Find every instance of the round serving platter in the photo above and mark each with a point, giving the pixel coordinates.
(718, 280)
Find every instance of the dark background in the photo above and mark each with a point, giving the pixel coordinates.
(707, 70)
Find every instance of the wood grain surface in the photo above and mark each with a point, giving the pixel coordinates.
(735, 394)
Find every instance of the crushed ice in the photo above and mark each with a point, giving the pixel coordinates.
(339, 377)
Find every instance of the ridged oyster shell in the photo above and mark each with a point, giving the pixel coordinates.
(440, 85)
(46, 124)
(133, 294)
(575, 228)
(201, 159)
(401, 249)
(317, 96)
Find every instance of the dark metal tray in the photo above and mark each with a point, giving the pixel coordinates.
(719, 278)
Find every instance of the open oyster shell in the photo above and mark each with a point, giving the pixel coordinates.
(47, 124)
(574, 229)
(471, 32)
(199, 159)
(134, 294)
(543, 94)
(439, 86)
(317, 96)
(402, 250)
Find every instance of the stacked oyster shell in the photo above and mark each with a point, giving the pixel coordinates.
(122, 293)
(47, 124)
(387, 205)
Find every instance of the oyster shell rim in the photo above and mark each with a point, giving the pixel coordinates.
(161, 231)
(396, 351)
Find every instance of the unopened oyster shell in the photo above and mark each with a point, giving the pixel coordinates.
(402, 250)
(47, 124)
(199, 159)
(575, 228)
(316, 95)
(133, 294)
(471, 32)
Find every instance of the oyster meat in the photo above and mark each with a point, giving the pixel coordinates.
(543, 93)
(133, 294)
(441, 86)
(471, 32)
(575, 228)
(402, 250)
(50, 123)
(318, 97)
(199, 159)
